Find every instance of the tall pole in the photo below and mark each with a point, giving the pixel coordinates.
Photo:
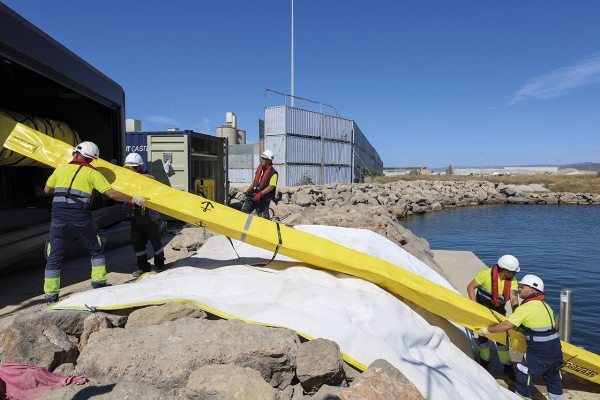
(292, 53)
(481, 167)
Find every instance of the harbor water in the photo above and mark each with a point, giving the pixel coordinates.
(559, 243)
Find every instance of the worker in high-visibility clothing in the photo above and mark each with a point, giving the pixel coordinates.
(145, 226)
(544, 352)
(262, 190)
(74, 185)
(495, 287)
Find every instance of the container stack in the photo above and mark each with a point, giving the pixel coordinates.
(312, 148)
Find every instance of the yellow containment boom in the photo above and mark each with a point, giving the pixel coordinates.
(302, 246)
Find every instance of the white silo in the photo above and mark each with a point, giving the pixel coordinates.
(229, 132)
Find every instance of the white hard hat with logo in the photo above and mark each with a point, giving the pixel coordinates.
(88, 150)
(509, 263)
(533, 281)
(268, 154)
(134, 159)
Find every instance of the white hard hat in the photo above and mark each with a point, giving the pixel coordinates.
(533, 281)
(268, 154)
(134, 159)
(88, 150)
(509, 263)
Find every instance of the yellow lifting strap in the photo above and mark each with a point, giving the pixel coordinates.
(302, 246)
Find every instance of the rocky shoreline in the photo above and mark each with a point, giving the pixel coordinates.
(403, 198)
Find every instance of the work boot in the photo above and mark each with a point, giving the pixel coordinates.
(143, 266)
(510, 372)
(484, 363)
(141, 271)
(100, 284)
(51, 298)
(159, 262)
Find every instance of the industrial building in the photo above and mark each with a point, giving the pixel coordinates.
(310, 148)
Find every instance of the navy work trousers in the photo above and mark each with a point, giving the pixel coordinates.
(61, 234)
(535, 365)
(261, 207)
(140, 235)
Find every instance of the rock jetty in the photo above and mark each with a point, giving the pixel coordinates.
(403, 198)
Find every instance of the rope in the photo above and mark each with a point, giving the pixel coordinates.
(260, 265)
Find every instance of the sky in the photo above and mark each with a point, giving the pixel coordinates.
(429, 82)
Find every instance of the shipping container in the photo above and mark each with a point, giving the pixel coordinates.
(285, 120)
(306, 143)
(303, 150)
(242, 155)
(336, 128)
(294, 121)
(337, 174)
(241, 177)
(294, 149)
(181, 158)
(298, 174)
(302, 174)
(337, 153)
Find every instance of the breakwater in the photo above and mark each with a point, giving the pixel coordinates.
(403, 198)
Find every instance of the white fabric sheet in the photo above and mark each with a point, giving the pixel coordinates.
(367, 322)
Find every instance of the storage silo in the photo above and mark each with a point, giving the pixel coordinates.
(229, 132)
(133, 125)
(230, 119)
(241, 134)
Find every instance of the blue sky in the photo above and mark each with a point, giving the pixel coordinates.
(429, 82)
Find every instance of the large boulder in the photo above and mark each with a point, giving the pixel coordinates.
(225, 382)
(165, 355)
(190, 239)
(381, 381)
(155, 315)
(319, 362)
(111, 391)
(38, 342)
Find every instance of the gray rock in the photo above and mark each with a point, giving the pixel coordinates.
(37, 342)
(94, 323)
(224, 382)
(190, 239)
(319, 362)
(508, 191)
(380, 381)
(67, 369)
(165, 355)
(68, 321)
(110, 391)
(155, 315)
(302, 199)
(352, 374)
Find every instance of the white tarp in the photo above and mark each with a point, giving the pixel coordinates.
(366, 322)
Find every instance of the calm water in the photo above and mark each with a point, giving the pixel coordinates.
(557, 243)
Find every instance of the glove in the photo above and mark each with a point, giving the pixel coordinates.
(258, 196)
(249, 191)
(482, 330)
(138, 200)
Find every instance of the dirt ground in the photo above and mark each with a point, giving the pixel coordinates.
(24, 290)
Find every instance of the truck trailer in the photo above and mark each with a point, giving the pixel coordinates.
(46, 84)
